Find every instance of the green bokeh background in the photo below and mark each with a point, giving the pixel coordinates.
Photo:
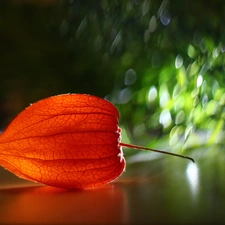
(161, 62)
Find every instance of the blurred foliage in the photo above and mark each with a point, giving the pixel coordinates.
(161, 62)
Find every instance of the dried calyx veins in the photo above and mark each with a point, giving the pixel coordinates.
(68, 141)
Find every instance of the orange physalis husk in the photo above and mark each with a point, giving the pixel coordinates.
(67, 141)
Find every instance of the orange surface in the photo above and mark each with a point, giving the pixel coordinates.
(49, 205)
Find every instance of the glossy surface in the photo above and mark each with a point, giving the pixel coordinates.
(167, 190)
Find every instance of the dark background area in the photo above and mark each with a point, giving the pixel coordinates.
(161, 60)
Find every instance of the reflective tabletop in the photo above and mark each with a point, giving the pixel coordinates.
(165, 190)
